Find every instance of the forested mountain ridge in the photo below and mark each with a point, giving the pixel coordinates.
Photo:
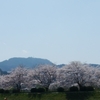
(2, 72)
(29, 62)
(12, 63)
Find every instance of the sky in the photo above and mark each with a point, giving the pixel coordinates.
(58, 30)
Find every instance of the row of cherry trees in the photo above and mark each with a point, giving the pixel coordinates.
(51, 77)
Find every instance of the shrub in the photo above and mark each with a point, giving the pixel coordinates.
(6, 91)
(15, 91)
(33, 90)
(46, 89)
(40, 90)
(60, 89)
(1, 90)
(90, 88)
(73, 88)
(83, 88)
(87, 88)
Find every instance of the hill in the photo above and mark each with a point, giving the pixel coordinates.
(29, 62)
(2, 72)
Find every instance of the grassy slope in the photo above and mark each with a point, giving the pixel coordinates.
(53, 96)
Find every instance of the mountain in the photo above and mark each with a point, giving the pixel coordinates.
(29, 62)
(94, 65)
(61, 65)
(3, 72)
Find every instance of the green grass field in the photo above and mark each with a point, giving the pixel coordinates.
(53, 96)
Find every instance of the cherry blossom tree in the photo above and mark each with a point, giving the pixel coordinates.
(96, 77)
(16, 78)
(45, 75)
(76, 73)
(2, 81)
(49, 76)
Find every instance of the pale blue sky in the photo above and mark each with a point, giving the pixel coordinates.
(58, 30)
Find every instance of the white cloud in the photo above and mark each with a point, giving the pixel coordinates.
(25, 51)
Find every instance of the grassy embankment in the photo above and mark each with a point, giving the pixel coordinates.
(53, 96)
